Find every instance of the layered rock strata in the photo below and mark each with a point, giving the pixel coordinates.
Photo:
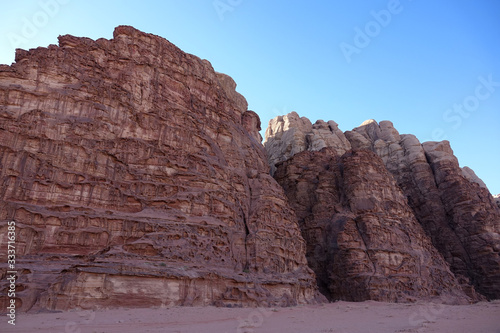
(453, 206)
(135, 176)
(290, 134)
(363, 240)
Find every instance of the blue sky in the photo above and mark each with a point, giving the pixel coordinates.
(431, 67)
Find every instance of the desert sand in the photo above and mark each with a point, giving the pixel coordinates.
(339, 317)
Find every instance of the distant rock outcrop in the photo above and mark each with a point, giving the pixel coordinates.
(451, 204)
(136, 177)
(290, 134)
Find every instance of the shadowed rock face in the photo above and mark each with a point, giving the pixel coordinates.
(136, 177)
(473, 217)
(452, 205)
(363, 240)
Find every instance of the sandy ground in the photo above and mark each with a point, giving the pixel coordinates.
(340, 317)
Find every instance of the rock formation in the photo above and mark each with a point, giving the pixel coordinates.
(451, 204)
(472, 177)
(497, 199)
(136, 177)
(290, 134)
(363, 240)
(474, 220)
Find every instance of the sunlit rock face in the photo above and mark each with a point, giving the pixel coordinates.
(451, 204)
(497, 199)
(290, 134)
(136, 177)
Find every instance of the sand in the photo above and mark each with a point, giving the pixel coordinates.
(339, 317)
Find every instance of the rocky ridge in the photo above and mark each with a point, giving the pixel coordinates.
(452, 205)
(364, 243)
(135, 176)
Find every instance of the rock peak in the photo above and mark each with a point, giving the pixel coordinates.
(368, 122)
(129, 162)
(291, 134)
(451, 204)
(127, 30)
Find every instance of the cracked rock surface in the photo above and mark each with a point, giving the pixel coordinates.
(363, 240)
(136, 177)
(452, 206)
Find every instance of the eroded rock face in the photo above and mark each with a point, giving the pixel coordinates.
(452, 204)
(473, 217)
(363, 240)
(136, 177)
(251, 122)
(472, 177)
(290, 134)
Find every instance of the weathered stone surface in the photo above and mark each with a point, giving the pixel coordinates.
(251, 122)
(472, 215)
(497, 199)
(136, 177)
(472, 177)
(227, 83)
(451, 203)
(290, 134)
(363, 240)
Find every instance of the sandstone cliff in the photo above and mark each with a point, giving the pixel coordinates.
(452, 205)
(290, 134)
(136, 177)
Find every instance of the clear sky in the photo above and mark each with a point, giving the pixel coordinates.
(432, 67)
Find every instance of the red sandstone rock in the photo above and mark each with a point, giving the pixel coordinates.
(136, 178)
(473, 216)
(452, 204)
(363, 240)
(497, 199)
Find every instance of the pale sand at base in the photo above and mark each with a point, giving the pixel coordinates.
(339, 317)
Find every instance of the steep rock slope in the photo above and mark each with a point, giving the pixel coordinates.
(453, 207)
(136, 177)
(452, 203)
(363, 240)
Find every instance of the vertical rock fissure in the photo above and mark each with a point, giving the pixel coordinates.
(247, 233)
(363, 236)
